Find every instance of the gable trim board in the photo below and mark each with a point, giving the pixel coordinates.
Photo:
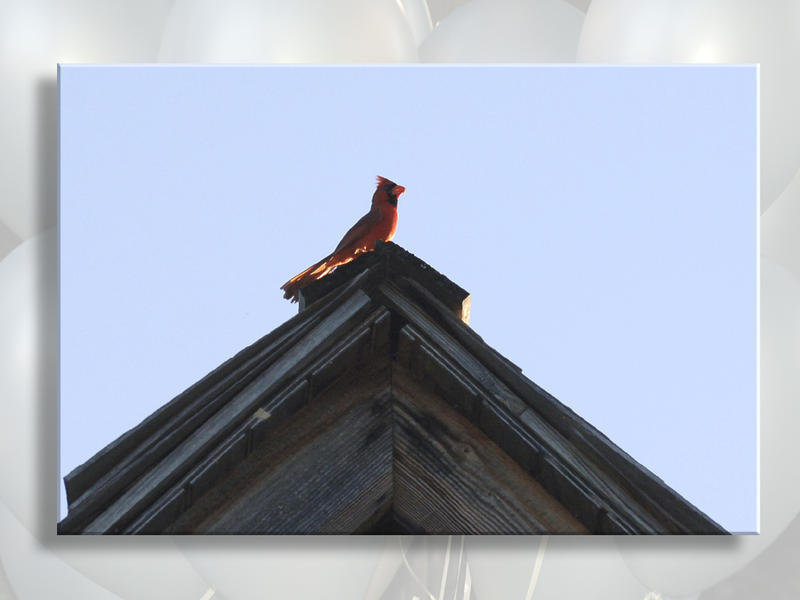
(375, 409)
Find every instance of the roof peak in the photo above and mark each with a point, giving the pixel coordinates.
(392, 262)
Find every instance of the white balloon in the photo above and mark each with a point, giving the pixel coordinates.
(35, 35)
(155, 569)
(506, 31)
(441, 8)
(8, 240)
(5, 586)
(285, 566)
(388, 564)
(502, 567)
(603, 573)
(780, 390)
(582, 5)
(680, 566)
(29, 382)
(418, 16)
(29, 434)
(35, 572)
(280, 31)
(715, 31)
(780, 229)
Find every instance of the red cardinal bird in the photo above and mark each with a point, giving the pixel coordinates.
(379, 223)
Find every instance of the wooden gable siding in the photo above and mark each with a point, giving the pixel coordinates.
(328, 470)
(376, 442)
(451, 478)
(376, 408)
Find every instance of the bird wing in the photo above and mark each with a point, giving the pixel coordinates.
(356, 232)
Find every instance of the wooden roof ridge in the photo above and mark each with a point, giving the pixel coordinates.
(81, 477)
(126, 460)
(542, 412)
(389, 260)
(389, 306)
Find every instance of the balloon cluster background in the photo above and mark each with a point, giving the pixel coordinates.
(36, 34)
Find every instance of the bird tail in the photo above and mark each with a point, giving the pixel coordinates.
(292, 288)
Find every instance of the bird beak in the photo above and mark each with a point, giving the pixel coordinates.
(398, 189)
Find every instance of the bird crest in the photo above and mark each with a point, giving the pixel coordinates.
(385, 183)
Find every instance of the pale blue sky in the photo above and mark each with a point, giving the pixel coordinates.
(603, 219)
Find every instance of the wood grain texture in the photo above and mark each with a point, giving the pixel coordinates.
(348, 355)
(155, 481)
(450, 478)
(375, 409)
(598, 497)
(659, 508)
(125, 458)
(328, 471)
(390, 262)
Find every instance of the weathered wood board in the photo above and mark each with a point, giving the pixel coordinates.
(375, 410)
(328, 471)
(450, 478)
